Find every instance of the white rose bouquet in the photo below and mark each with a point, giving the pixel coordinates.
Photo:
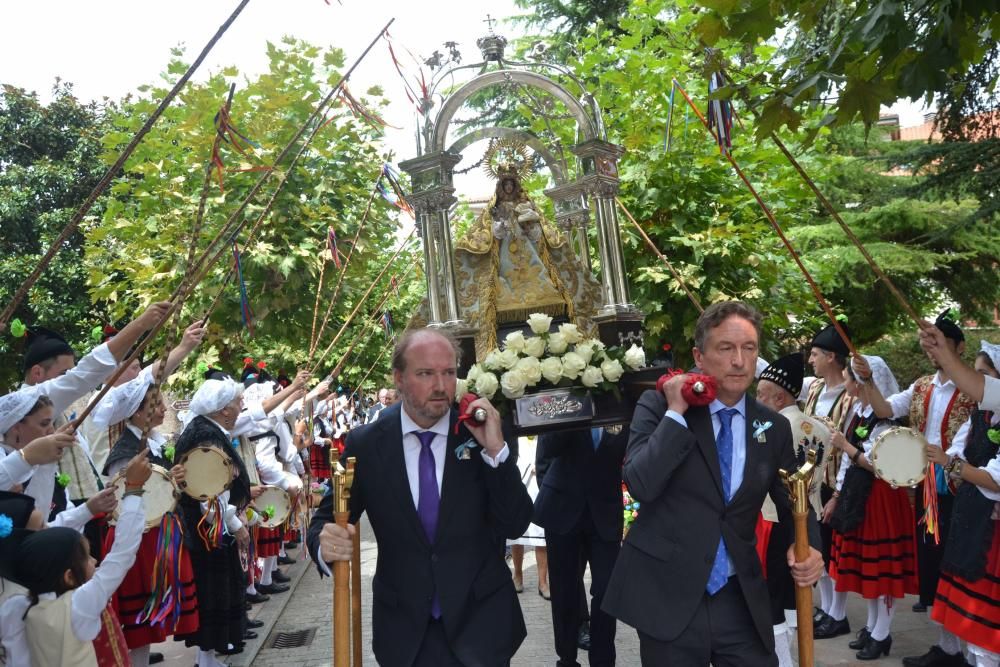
(562, 358)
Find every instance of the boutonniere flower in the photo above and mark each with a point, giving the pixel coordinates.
(861, 431)
(994, 435)
(760, 428)
(168, 452)
(6, 525)
(63, 480)
(464, 451)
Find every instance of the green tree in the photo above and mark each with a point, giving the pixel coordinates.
(49, 162)
(137, 253)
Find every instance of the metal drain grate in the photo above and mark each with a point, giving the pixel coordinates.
(296, 639)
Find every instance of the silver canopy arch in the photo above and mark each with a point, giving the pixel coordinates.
(591, 184)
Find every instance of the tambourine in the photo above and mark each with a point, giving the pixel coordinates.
(207, 472)
(814, 433)
(276, 497)
(899, 457)
(159, 497)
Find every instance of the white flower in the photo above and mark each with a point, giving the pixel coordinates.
(514, 341)
(571, 333)
(461, 388)
(552, 369)
(530, 369)
(612, 370)
(535, 346)
(557, 343)
(635, 358)
(512, 384)
(492, 361)
(572, 365)
(539, 323)
(474, 372)
(507, 359)
(486, 385)
(585, 350)
(592, 376)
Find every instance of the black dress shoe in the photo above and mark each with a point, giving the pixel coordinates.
(935, 657)
(819, 616)
(920, 608)
(230, 651)
(155, 658)
(583, 637)
(280, 577)
(258, 597)
(254, 624)
(292, 544)
(285, 560)
(827, 629)
(875, 649)
(249, 634)
(862, 639)
(271, 589)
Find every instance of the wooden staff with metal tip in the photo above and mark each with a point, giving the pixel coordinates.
(798, 488)
(343, 478)
(673, 271)
(355, 581)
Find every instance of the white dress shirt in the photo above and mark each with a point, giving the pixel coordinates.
(739, 428)
(827, 398)
(412, 446)
(90, 599)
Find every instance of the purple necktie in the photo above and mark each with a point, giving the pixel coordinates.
(428, 498)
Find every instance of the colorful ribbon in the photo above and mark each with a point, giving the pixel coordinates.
(209, 532)
(245, 310)
(164, 603)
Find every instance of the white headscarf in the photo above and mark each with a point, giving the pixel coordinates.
(213, 395)
(15, 406)
(992, 351)
(122, 402)
(882, 376)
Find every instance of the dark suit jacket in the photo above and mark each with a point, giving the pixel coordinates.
(480, 507)
(673, 472)
(581, 479)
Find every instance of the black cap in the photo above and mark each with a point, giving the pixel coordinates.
(787, 373)
(828, 339)
(44, 344)
(949, 327)
(216, 374)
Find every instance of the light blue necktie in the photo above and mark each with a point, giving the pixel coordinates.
(595, 436)
(724, 445)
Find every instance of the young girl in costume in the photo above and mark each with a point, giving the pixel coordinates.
(874, 548)
(967, 603)
(65, 618)
(176, 603)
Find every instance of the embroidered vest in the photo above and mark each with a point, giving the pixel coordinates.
(840, 414)
(49, 633)
(956, 414)
(84, 482)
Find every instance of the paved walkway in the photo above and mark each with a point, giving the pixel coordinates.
(308, 605)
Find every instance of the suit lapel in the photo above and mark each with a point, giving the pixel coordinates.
(753, 448)
(700, 420)
(450, 482)
(391, 451)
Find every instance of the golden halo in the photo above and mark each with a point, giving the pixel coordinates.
(503, 152)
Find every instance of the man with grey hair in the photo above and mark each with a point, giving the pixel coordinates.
(688, 577)
(380, 404)
(442, 495)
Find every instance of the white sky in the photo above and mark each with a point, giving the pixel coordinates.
(109, 47)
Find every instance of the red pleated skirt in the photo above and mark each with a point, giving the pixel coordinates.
(971, 609)
(879, 557)
(269, 541)
(131, 596)
(763, 532)
(319, 461)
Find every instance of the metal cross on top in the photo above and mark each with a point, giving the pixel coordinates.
(490, 21)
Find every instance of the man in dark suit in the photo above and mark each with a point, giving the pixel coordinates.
(441, 501)
(579, 505)
(688, 577)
